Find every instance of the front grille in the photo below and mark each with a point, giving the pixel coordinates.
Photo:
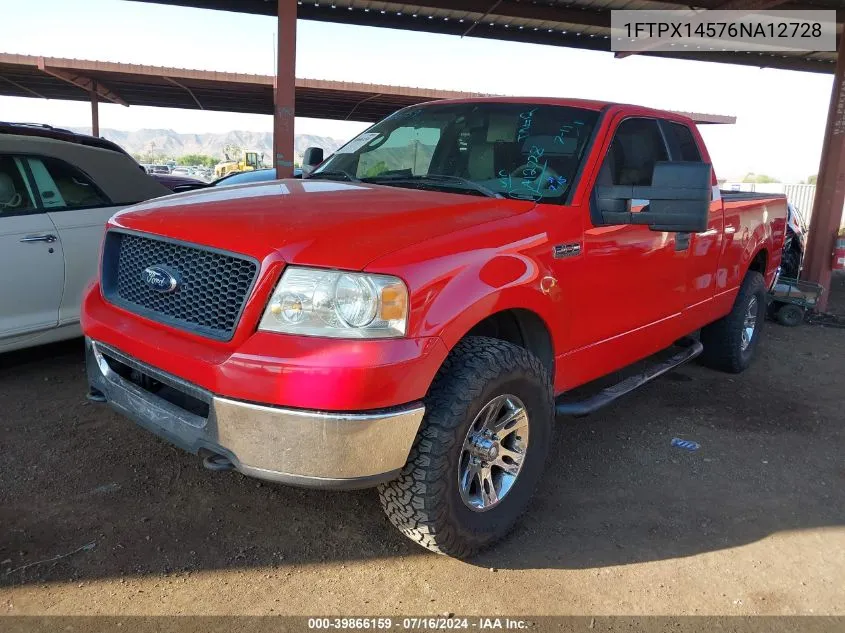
(212, 288)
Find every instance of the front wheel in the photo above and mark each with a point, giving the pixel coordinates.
(479, 452)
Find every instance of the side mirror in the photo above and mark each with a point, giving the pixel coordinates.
(313, 156)
(677, 200)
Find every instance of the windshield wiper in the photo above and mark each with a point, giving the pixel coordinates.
(332, 174)
(467, 182)
(441, 178)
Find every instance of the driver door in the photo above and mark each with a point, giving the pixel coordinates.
(632, 290)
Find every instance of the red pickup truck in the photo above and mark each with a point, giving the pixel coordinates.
(407, 315)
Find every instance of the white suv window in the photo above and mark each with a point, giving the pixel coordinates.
(62, 186)
(15, 195)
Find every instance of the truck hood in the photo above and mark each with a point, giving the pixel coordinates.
(319, 223)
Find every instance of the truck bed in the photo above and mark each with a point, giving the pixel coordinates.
(738, 196)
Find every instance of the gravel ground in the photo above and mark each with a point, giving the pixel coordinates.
(100, 517)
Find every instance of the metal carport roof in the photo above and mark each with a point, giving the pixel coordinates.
(574, 23)
(131, 84)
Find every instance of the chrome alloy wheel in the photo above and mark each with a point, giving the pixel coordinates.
(749, 324)
(493, 452)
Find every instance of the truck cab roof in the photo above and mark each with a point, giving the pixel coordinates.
(585, 104)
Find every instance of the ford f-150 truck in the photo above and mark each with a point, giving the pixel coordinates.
(409, 315)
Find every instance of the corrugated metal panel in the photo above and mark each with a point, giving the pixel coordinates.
(802, 197)
(581, 24)
(624, 4)
(233, 92)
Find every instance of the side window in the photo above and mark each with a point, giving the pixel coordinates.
(683, 142)
(637, 145)
(15, 196)
(408, 151)
(62, 186)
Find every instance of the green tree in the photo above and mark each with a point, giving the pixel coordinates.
(759, 178)
(813, 180)
(198, 160)
(375, 170)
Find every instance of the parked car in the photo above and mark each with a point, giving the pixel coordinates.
(795, 244)
(159, 169)
(178, 182)
(57, 189)
(244, 177)
(234, 178)
(406, 316)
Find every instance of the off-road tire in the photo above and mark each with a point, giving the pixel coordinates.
(424, 502)
(722, 339)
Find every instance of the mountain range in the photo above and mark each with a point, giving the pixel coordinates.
(164, 143)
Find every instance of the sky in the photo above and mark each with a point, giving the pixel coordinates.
(780, 114)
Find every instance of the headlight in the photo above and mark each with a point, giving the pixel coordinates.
(317, 302)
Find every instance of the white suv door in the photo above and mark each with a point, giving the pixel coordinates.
(31, 258)
(79, 210)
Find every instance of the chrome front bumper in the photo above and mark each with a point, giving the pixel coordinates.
(305, 448)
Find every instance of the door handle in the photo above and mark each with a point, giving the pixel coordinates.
(40, 238)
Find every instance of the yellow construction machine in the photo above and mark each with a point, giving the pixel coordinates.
(238, 160)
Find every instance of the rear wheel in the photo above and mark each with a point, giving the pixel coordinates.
(730, 342)
(479, 452)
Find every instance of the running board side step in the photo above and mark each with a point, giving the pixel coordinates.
(692, 348)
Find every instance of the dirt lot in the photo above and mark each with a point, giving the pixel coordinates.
(98, 516)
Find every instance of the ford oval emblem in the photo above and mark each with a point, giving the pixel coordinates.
(160, 279)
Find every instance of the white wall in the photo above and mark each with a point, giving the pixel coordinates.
(801, 196)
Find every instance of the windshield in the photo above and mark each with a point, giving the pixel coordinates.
(513, 150)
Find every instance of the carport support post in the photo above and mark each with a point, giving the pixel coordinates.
(283, 106)
(830, 189)
(95, 111)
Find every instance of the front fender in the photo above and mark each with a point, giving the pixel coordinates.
(482, 285)
(458, 280)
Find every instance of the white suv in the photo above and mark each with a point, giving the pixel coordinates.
(57, 189)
